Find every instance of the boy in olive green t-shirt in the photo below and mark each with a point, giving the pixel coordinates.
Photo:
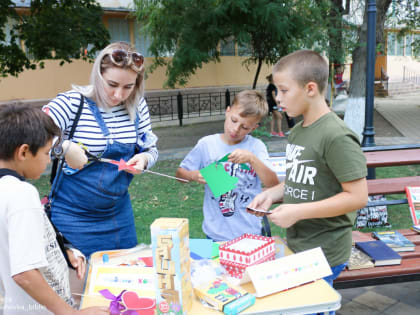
(325, 168)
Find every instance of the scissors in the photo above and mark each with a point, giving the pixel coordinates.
(123, 165)
(92, 157)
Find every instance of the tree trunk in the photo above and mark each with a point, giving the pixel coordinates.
(335, 33)
(257, 73)
(355, 109)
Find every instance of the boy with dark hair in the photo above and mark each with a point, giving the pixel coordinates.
(225, 217)
(33, 270)
(325, 168)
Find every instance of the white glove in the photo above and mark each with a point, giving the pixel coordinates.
(139, 161)
(74, 154)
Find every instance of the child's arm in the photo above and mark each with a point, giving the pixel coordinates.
(266, 175)
(269, 196)
(353, 197)
(78, 261)
(35, 285)
(190, 175)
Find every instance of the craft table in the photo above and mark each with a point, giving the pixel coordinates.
(313, 297)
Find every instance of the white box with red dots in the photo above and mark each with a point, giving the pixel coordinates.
(247, 250)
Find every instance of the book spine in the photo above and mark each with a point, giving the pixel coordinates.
(411, 207)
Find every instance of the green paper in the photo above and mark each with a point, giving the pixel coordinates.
(218, 179)
(215, 250)
(226, 158)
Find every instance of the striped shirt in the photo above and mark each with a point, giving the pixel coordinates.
(63, 109)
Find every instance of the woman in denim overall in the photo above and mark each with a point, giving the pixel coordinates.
(91, 205)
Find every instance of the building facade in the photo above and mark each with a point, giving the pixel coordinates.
(44, 84)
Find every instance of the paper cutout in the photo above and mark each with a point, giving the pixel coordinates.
(288, 272)
(226, 158)
(278, 164)
(148, 261)
(116, 278)
(143, 306)
(218, 179)
(201, 247)
(122, 165)
(215, 250)
(195, 256)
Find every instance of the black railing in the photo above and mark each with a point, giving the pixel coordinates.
(411, 76)
(180, 106)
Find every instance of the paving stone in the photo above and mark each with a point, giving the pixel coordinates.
(401, 309)
(354, 308)
(374, 300)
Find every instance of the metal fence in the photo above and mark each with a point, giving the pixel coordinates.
(188, 105)
(411, 76)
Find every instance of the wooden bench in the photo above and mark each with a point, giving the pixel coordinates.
(391, 156)
(409, 270)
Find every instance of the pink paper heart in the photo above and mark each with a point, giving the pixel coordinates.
(143, 306)
(148, 261)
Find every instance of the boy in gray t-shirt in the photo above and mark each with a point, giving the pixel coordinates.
(225, 217)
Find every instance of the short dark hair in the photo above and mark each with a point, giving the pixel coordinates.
(24, 124)
(305, 66)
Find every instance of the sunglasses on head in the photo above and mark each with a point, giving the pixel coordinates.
(121, 57)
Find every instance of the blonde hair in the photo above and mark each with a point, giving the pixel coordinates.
(96, 89)
(252, 103)
(305, 66)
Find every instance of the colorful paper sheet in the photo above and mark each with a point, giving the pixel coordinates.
(202, 247)
(117, 278)
(218, 179)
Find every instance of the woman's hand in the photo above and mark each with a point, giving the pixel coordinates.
(138, 162)
(74, 154)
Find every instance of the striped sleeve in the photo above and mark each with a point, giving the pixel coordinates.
(147, 139)
(63, 109)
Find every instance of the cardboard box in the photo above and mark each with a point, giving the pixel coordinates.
(244, 251)
(171, 258)
(225, 297)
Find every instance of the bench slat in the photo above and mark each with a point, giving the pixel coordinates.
(408, 270)
(386, 186)
(392, 158)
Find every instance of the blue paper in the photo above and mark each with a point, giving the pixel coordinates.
(201, 247)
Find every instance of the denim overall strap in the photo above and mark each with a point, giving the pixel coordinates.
(96, 112)
(98, 116)
(92, 207)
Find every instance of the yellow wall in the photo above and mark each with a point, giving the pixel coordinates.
(44, 83)
(48, 82)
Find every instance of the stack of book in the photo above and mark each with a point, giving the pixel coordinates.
(381, 254)
(379, 247)
(416, 228)
(395, 240)
(359, 260)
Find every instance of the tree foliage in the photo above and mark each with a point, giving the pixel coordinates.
(192, 31)
(52, 29)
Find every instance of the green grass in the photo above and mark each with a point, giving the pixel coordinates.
(155, 196)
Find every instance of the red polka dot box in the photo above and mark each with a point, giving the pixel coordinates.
(244, 251)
